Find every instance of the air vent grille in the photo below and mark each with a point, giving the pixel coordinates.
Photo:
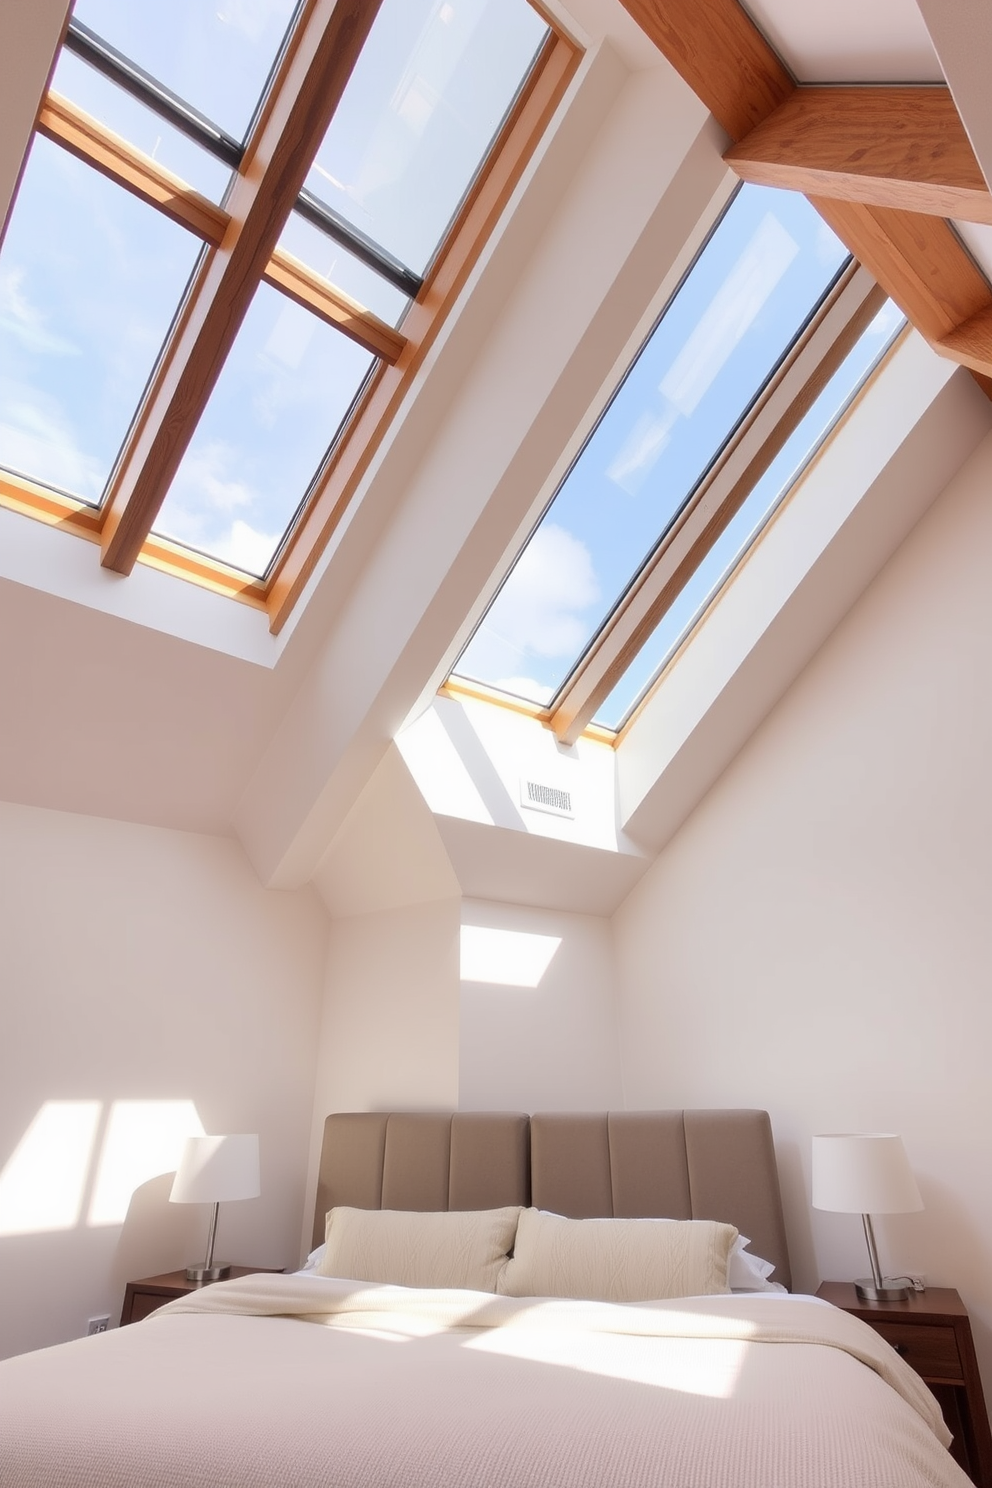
(550, 798)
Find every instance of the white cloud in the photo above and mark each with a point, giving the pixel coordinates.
(252, 18)
(39, 442)
(245, 548)
(524, 687)
(25, 322)
(541, 604)
(203, 479)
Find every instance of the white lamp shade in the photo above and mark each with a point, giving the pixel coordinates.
(215, 1169)
(863, 1173)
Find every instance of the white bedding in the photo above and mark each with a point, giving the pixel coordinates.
(467, 1390)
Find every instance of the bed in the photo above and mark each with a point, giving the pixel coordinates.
(313, 1379)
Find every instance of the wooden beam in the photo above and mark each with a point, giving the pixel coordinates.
(971, 345)
(721, 54)
(342, 475)
(916, 258)
(335, 307)
(885, 147)
(90, 141)
(315, 70)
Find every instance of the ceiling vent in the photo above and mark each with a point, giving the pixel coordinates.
(550, 798)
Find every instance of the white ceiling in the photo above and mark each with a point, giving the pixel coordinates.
(849, 41)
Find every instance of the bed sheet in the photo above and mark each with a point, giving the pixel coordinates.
(308, 1381)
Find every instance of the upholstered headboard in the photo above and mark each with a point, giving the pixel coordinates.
(716, 1164)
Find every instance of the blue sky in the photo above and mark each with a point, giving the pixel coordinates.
(90, 278)
(761, 274)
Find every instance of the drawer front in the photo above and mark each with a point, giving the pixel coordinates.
(142, 1303)
(931, 1351)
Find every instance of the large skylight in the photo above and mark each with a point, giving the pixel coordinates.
(764, 270)
(725, 554)
(167, 98)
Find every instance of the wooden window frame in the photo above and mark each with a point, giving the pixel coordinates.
(309, 79)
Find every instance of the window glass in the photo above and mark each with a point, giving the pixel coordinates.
(727, 552)
(427, 95)
(215, 54)
(140, 126)
(325, 257)
(89, 281)
(753, 287)
(286, 386)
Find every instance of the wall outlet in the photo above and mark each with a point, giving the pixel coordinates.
(98, 1325)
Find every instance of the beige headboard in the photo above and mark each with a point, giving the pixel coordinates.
(641, 1164)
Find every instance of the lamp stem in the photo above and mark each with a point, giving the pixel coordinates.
(212, 1235)
(876, 1270)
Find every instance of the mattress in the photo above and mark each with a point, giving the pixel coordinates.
(302, 1380)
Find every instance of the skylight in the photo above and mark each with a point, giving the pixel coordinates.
(212, 434)
(765, 269)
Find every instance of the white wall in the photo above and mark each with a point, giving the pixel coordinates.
(148, 980)
(549, 1047)
(817, 939)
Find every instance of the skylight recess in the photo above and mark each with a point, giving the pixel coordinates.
(738, 537)
(210, 115)
(89, 281)
(747, 298)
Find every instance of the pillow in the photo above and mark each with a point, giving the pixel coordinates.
(456, 1248)
(617, 1260)
(749, 1273)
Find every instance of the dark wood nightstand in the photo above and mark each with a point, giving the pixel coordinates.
(932, 1332)
(143, 1297)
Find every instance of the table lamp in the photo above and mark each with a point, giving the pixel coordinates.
(212, 1170)
(866, 1173)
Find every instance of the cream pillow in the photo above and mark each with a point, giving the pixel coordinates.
(457, 1248)
(617, 1260)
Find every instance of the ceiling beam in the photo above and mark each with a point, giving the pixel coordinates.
(916, 258)
(884, 147)
(721, 54)
(304, 95)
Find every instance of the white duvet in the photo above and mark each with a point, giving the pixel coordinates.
(439, 1389)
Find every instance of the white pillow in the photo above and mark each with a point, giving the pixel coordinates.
(617, 1260)
(749, 1273)
(456, 1248)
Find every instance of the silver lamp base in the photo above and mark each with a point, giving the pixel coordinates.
(203, 1272)
(887, 1292)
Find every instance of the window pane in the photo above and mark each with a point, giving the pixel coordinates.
(285, 388)
(101, 98)
(215, 54)
(423, 104)
(764, 270)
(741, 532)
(89, 282)
(324, 256)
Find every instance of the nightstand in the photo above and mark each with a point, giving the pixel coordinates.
(932, 1332)
(143, 1297)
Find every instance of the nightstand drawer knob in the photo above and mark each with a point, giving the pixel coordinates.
(900, 1348)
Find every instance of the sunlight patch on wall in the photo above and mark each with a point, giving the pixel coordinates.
(507, 958)
(143, 1139)
(441, 774)
(43, 1181)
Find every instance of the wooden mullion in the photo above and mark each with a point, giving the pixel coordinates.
(90, 141)
(338, 309)
(289, 129)
(379, 405)
(885, 146)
